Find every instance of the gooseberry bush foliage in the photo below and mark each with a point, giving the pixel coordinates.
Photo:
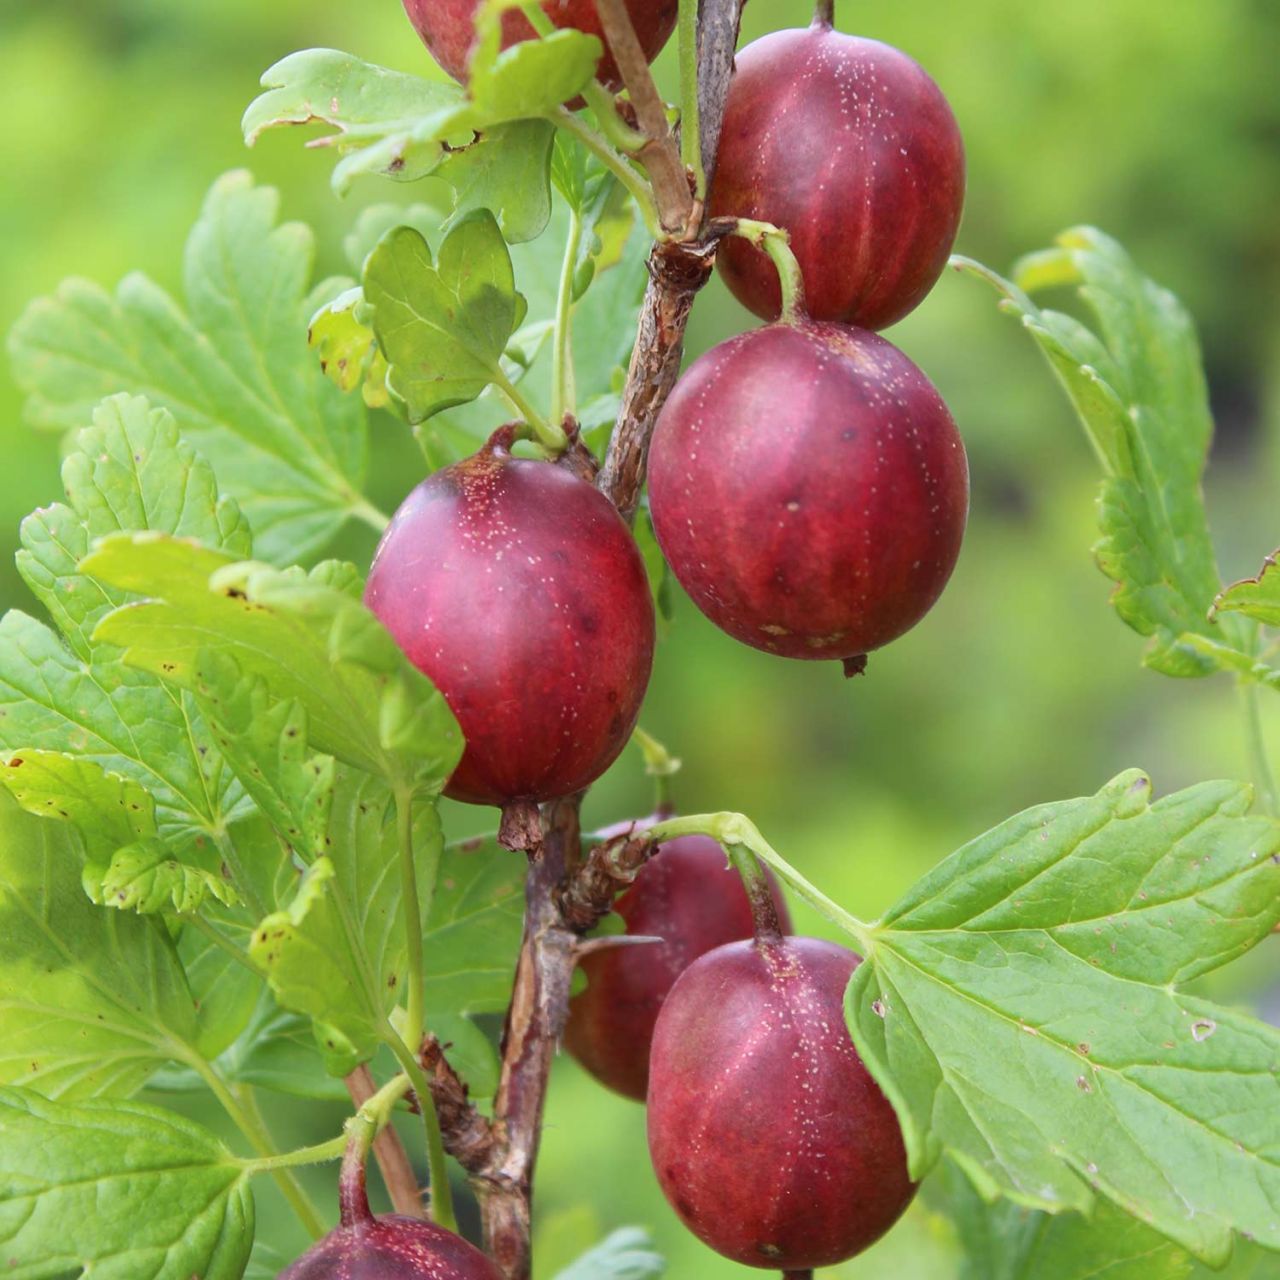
(222, 863)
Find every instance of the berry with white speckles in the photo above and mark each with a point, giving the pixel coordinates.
(809, 490)
(518, 589)
(849, 145)
(447, 28)
(768, 1135)
(393, 1247)
(687, 895)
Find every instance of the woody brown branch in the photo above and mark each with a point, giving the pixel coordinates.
(565, 896)
(660, 155)
(677, 271)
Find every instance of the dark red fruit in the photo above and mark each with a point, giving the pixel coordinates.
(447, 28)
(517, 588)
(809, 490)
(849, 145)
(768, 1135)
(392, 1248)
(686, 894)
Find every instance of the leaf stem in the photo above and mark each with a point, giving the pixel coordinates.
(256, 1135)
(318, 1154)
(365, 1125)
(659, 764)
(364, 510)
(690, 126)
(594, 142)
(415, 1015)
(442, 1212)
(732, 829)
(563, 387)
(1259, 761)
(548, 434)
(776, 242)
(611, 124)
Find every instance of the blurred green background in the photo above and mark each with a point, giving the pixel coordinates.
(1158, 122)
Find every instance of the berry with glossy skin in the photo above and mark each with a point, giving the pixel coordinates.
(689, 896)
(769, 1136)
(447, 28)
(809, 490)
(517, 588)
(849, 145)
(392, 1248)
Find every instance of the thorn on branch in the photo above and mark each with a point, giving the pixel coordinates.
(590, 946)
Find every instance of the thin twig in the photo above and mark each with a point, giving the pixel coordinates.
(388, 1150)
(660, 156)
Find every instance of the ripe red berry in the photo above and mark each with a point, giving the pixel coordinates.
(392, 1248)
(809, 490)
(517, 588)
(687, 895)
(849, 145)
(769, 1137)
(447, 28)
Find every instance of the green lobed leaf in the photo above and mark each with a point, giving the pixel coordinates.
(604, 328)
(506, 172)
(473, 929)
(108, 811)
(442, 325)
(1137, 385)
(491, 149)
(337, 951)
(1020, 1007)
(627, 1254)
(1257, 598)
(1004, 1241)
(224, 986)
(313, 967)
(532, 77)
(349, 353)
(91, 1001)
(233, 369)
(129, 470)
(126, 866)
(307, 636)
(118, 1190)
(143, 877)
(266, 743)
